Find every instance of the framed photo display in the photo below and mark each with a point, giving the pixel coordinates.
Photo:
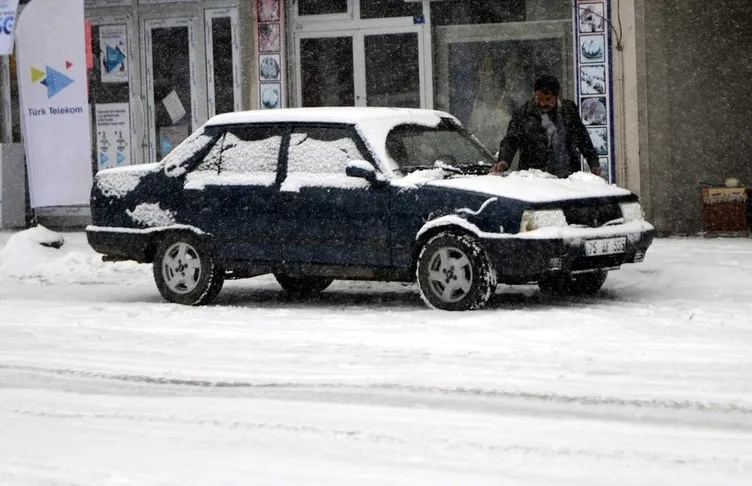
(269, 53)
(592, 44)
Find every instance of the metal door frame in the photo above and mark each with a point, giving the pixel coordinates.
(137, 111)
(196, 50)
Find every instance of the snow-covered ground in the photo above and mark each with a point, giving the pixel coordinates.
(102, 383)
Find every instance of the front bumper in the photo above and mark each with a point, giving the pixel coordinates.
(529, 257)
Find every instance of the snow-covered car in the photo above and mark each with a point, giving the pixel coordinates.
(316, 194)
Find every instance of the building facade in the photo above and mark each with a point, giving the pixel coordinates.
(661, 84)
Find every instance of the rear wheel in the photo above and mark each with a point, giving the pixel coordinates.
(300, 287)
(579, 284)
(454, 273)
(185, 270)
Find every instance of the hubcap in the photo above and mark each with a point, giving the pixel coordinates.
(181, 268)
(450, 274)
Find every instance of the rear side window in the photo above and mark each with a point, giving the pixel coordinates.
(322, 150)
(245, 150)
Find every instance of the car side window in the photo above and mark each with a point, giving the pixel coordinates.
(244, 150)
(321, 150)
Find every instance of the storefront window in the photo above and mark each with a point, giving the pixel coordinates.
(379, 9)
(327, 71)
(477, 12)
(224, 84)
(488, 54)
(321, 7)
(393, 72)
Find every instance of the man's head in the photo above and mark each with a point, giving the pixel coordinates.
(546, 90)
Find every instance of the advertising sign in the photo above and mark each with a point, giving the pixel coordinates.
(113, 134)
(8, 10)
(113, 40)
(593, 73)
(52, 82)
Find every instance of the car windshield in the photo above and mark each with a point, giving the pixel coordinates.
(415, 147)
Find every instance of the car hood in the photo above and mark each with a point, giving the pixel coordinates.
(531, 186)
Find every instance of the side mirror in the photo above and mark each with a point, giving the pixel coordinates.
(363, 170)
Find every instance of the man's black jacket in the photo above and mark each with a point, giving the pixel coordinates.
(526, 134)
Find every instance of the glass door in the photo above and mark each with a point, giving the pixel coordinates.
(393, 65)
(223, 61)
(366, 67)
(326, 71)
(172, 106)
(114, 94)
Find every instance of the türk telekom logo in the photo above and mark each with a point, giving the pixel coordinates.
(54, 80)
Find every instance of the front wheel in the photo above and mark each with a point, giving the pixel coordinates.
(454, 273)
(579, 284)
(185, 270)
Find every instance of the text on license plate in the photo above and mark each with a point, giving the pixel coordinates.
(606, 246)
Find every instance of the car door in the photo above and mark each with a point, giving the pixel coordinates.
(233, 193)
(326, 216)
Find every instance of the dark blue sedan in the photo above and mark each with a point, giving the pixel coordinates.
(316, 194)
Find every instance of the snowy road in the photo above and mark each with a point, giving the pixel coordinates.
(103, 384)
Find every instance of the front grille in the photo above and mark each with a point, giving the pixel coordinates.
(593, 216)
(602, 261)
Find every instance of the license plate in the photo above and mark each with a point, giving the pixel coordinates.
(606, 246)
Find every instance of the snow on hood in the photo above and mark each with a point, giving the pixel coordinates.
(119, 181)
(532, 186)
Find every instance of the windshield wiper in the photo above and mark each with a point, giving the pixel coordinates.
(477, 168)
(447, 169)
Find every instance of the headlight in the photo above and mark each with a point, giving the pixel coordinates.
(533, 219)
(631, 211)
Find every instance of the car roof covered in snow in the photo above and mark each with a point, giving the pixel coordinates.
(350, 115)
(373, 123)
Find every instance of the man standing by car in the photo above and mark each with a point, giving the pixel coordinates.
(549, 134)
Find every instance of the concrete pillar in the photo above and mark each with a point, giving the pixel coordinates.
(12, 186)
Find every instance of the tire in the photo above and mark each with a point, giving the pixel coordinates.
(581, 284)
(300, 287)
(454, 273)
(185, 270)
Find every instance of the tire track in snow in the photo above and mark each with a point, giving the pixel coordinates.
(484, 400)
(445, 444)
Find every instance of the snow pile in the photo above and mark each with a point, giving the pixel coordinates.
(24, 258)
(421, 177)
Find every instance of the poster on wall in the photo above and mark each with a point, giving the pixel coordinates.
(271, 96)
(593, 71)
(268, 38)
(269, 53)
(113, 125)
(270, 68)
(7, 22)
(113, 41)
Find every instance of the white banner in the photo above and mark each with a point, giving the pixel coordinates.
(53, 85)
(7, 21)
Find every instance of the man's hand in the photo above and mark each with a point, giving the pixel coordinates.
(596, 170)
(499, 166)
